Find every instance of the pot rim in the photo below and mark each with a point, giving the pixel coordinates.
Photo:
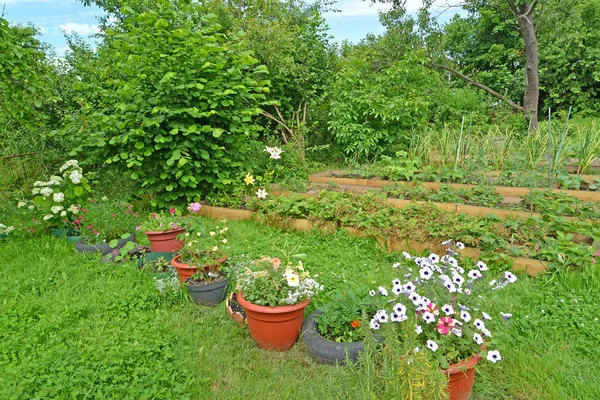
(463, 365)
(268, 309)
(161, 232)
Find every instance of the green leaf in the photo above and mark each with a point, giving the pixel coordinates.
(139, 145)
(78, 190)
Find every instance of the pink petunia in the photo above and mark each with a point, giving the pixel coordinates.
(432, 308)
(194, 207)
(83, 210)
(172, 211)
(95, 232)
(154, 216)
(137, 228)
(175, 226)
(445, 325)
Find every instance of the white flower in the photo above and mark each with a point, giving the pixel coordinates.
(215, 248)
(494, 356)
(428, 317)
(477, 338)
(398, 317)
(63, 213)
(482, 266)
(434, 258)
(457, 279)
(39, 184)
(492, 282)
(35, 191)
(275, 152)
(372, 293)
(450, 286)
(46, 192)
(409, 287)
(382, 291)
(293, 280)
(31, 207)
(479, 324)
(75, 176)
(406, 255)
(448, 309)
(510, 276)
(486, 315)
(457, 332)
(261, 193)
(418, 329)
(474, 274)
(486, 332)
(426, 273)
(460, 245)
(21, 204)
(453, 262)
(506, 316)
(400, 309)
(431, 345)
(465, 316)
(415, 298)
(396, 265)
(224, 241)
(69, 164)
(374, 324)
(56, 209)
(416, 349)
(48, 216)
(212, 233)
(397, 290)
(467, 291)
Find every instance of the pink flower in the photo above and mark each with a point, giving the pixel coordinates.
(112, 215)
(127, 212)
(172, 211)
(95, 232)
(91, 200)
(137, 228)
(174, 226)
(83, 210)
(194, 207)
(432, 308)
(89, 227)
(445, 325)
(154, 216)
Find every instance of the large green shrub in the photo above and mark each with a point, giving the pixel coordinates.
(177, 111)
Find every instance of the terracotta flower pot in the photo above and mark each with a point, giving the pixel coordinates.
(185, 270)
(460, 378)
(274, 328)
(165, 242)
(235, 310)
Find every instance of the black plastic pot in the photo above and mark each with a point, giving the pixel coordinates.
(103, 248)
(326, 351)
(208, 295)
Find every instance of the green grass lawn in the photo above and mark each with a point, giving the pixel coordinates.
(73, 328)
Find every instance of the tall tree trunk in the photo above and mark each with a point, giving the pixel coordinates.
(524, 14)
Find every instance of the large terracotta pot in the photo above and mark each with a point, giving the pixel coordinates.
(185, 271)
(274, 328)
(460, 378)
(165, 241)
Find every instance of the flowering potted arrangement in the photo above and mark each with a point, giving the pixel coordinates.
(444, 302)
(105, 225)
(334, 332)
(203, 251)
(274, 299)
(165, 230)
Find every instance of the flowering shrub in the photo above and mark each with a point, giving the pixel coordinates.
(5, 230)
(163, 221)
(443, 300)
(204, 248)
(264, 283)
(105, 220)
(58, 199)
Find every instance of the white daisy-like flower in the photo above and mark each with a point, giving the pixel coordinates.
(382, 291)
(374, 324)
(494, 356)
(457, 332)
(457, 279)
(382, 316)
(460, 245)
(428, 317)
(452, 261)
(406, 255)
(434, 258)
(448, 309)
(482, 266)
(474, 274)
(396, 265)
(274, 152)
(450, 286)
(486, 315)
(426, 273)
(372, 293)
(396, 282)
(465, 316)
(398, 317)
(431, 345)
(397, 290)
(479, 324)
(477, 338)
(409, 287)
(415, 298)
(418, 329)
(486, 332)
(467, 291)
(261, 193)
(512, 278)
(400, 309)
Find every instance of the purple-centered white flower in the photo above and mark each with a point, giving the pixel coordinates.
(486, 332)
(452, 261)
(457, 279)
(434, 258)
(460, 245)
(457, 331)
(382, 291)
(482, 266)
(450, 286)
(494, 356)
(397, 290)
(382, 316)
(372, 293)
(448, 309)
(506, 316)
(479, 324)
(409, 287)
(426, 273)
(400, 309)
(415, 298)
(431, 345)
(398, 317)
(465, 316)
(467, 291)
(492, 282)
(396, 282)
(477, 338)
(474, 274)
(486, 315)
(374, 324)
(512, 278)
(406, 255)
(396, 265)
(428, 317)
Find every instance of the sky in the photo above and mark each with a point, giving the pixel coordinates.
(55, 17)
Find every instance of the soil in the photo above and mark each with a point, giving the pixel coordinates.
(235, 306)
(204, 282)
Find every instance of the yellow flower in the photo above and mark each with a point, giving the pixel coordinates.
(249, 179)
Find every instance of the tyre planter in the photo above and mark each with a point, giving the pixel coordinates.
(185, 270)
(460, 378)
(208, 295)
(235, 310)
(274, 328)
(103, 248)
(326, 351)
(165, 242)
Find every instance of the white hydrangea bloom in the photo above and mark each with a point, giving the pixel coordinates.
(58, 197)
(56, 209)
(75, 177)
(48, 216)
(21, 204)
(46, 192)
(63, 213)
(35, 191)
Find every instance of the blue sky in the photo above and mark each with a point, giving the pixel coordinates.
(53, 17)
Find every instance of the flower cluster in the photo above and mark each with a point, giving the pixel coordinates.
(5, 230)
(274, 152)
(264, 282)
(443, 299)
(166, 221)
(204, 248)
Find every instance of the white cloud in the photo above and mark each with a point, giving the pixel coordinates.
(82, 29)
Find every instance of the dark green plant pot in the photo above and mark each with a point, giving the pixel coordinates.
(208, 295)
(70, 234)
(103, 248)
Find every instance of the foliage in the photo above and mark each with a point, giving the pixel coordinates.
(162, 221)
(204, 248)
(192, 106)
(104, 220)
(263, 283)
(340, 319)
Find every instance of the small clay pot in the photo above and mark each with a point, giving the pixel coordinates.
(165, 241)
(235, 310)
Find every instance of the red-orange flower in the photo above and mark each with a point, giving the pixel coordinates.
(355, 323)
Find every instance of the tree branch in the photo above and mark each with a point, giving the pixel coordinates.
(480, 86)
(285, 140)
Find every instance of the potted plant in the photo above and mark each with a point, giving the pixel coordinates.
(105, 225)
(334, 332)
(444, 301)
(203, 250)
(207, 288)
(165, 231)
(274, 299)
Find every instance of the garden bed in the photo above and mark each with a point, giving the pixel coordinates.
(531, 266)
(511, 194)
